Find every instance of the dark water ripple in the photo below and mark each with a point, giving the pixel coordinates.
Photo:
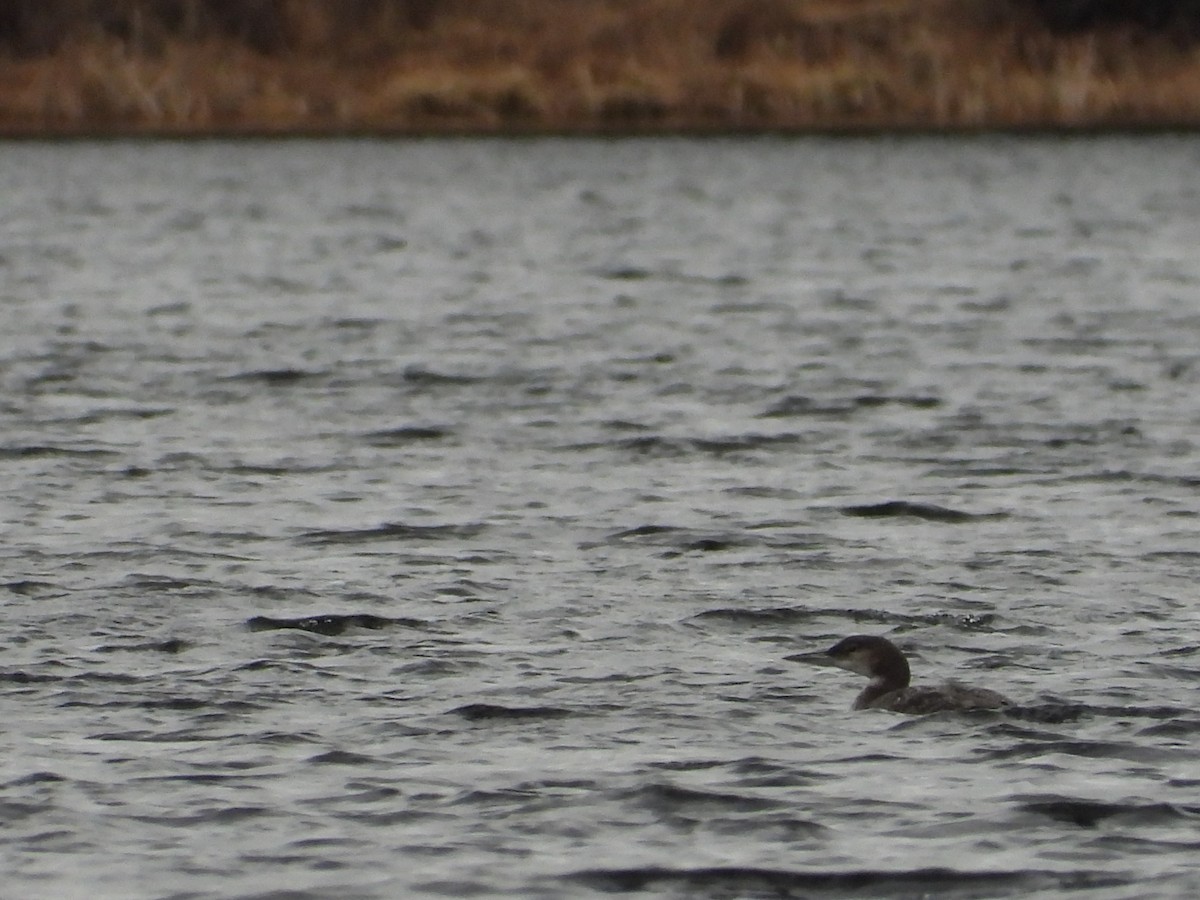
(390, 531)
(388, 519)
(735, 881)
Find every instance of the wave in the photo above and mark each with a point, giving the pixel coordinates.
(720, 881)
(906, 508)
(331, 624)
(392, 531)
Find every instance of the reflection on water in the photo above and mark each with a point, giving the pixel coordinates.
(435, 517)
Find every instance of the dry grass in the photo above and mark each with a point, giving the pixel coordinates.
(584, 65)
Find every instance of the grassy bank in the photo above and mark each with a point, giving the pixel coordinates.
(415, 66)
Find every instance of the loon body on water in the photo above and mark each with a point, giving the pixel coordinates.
(880, 660)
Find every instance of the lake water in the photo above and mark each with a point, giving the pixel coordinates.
(553, 450)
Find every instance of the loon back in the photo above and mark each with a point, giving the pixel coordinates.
(921, 701)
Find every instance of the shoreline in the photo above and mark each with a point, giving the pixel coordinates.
(597, 68)
(901, 132)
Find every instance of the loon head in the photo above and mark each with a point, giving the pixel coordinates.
(864, 654)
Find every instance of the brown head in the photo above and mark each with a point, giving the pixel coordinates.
(865, 654)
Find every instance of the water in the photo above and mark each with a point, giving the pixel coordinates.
(565, 438)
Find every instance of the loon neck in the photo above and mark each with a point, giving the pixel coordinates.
(889, 672)
(876, 689)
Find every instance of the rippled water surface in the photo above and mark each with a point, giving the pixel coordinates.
(390, 519)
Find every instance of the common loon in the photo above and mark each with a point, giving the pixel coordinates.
(881, 661)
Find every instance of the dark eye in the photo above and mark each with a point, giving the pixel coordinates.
(846, 646)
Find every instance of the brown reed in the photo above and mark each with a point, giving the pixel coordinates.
(410, 66)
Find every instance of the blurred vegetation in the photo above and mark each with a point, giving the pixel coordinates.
(41, 27)
(199, 66)
(1179, 17)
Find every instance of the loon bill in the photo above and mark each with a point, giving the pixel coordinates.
(880, 660)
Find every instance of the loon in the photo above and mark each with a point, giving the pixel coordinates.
(881, 661)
